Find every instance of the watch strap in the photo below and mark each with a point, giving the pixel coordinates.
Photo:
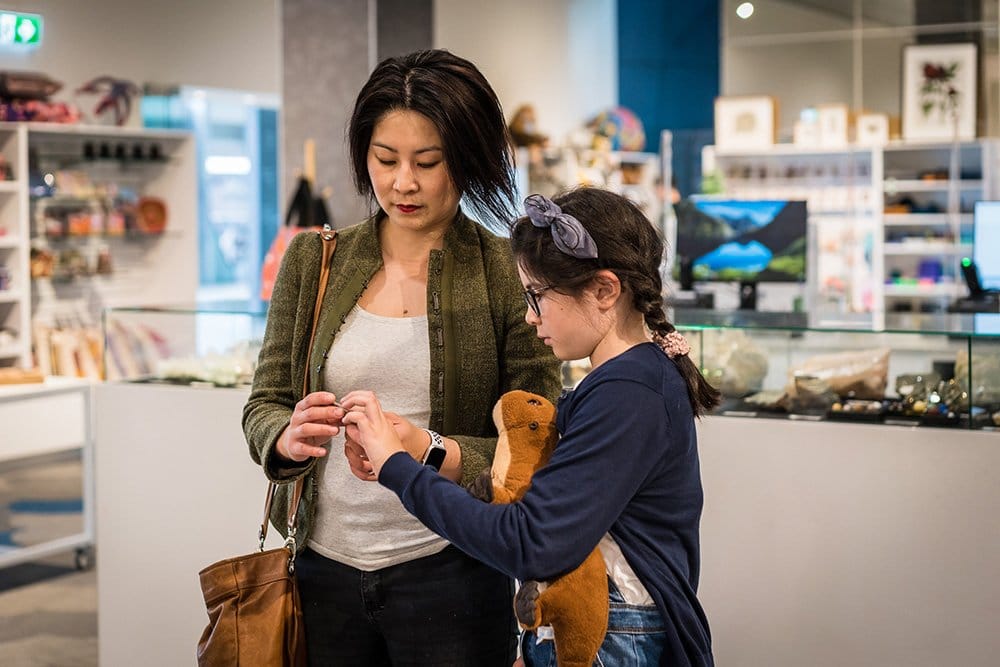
(436, 451)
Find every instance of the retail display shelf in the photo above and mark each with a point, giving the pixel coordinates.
(900, 145)
(104, 131)
(921, 247)
(10, 351)
(31, 437)
(921, 219)
(932, 290)
(792, 149)
(10, 241)
(10, 295)
(917, 185)
(10, 186)
(818, 214)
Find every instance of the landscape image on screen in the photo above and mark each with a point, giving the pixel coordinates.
(743, 240)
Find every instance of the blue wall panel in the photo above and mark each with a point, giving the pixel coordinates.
(668, 59)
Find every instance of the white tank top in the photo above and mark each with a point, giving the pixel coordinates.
(363, 524)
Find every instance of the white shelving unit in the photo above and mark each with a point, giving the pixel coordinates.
(160, 269)
(929, 191)
(879, 216)
(15, 301)
(32, 435)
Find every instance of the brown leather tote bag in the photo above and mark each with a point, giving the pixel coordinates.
(254, 612)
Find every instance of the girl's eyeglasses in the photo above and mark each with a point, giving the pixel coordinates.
(531, 298)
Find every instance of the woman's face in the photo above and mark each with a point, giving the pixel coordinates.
(408, 173)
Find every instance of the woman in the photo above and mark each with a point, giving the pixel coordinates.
(624, 476)
(423, 308)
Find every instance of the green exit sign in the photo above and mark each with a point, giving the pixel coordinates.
(17, 28)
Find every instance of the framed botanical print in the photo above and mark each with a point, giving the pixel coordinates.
(745, 123)
(872, 129)
(939, 92)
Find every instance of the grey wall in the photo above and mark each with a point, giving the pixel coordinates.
(404, 26)
(325, 49)
(230, 44)
(329, 49)
(559, 55)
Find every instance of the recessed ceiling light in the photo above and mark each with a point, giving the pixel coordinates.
(745, 10)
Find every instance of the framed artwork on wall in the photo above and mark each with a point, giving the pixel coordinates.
(745, 123)
(834, 123)
(939, 92)
(872, 129)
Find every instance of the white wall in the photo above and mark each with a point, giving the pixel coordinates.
(208, 43)
(559, 55)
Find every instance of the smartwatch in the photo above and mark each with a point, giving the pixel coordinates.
(434, 457)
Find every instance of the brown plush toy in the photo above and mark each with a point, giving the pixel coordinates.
(575, 604)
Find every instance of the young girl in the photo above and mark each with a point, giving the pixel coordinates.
(625, 473)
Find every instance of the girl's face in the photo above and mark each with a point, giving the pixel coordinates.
(570, 325)
(408, 173)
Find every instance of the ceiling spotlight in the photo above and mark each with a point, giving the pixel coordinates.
(745, 10)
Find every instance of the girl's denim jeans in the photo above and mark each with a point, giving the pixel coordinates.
(635, 637)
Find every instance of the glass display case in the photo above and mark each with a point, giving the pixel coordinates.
(938, 370)
(206, 346)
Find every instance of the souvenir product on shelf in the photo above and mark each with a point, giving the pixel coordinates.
(731, 361)
(985, 370)
(860, 374)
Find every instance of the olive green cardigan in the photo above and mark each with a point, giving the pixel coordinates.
(480, 345)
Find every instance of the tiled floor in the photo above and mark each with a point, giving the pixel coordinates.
(48, 609)
(51, 622)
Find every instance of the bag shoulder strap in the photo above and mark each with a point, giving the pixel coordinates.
(329, 237)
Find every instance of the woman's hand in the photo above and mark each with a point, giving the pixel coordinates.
(357, 459)
(315, 420)
(370, 427)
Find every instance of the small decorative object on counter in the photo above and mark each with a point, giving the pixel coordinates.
(860, 374)
(20, 376)
(27, 85)
(116, 97)
(24, 97)
(617, 129)
(6, 171)
(151, 215)
(104, 262)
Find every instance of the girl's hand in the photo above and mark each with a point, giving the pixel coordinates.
(413, 439)
(315, 420)
(370, 427)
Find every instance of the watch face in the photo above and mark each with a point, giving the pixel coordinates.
(435, 457)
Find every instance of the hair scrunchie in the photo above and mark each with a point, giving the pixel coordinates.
(568, 233)
(674, 344)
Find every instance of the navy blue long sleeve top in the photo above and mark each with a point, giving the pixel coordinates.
(626, 464)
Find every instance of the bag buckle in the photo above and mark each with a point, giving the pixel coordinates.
(290, 545)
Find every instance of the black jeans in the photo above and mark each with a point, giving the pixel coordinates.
(444, 610)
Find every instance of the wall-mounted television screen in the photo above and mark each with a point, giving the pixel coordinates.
(986, 243)
(742, 240)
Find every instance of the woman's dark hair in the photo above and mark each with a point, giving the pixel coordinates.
(458, 100)
(628, 246)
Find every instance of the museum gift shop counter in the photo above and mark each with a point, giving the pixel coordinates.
(865, 538)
